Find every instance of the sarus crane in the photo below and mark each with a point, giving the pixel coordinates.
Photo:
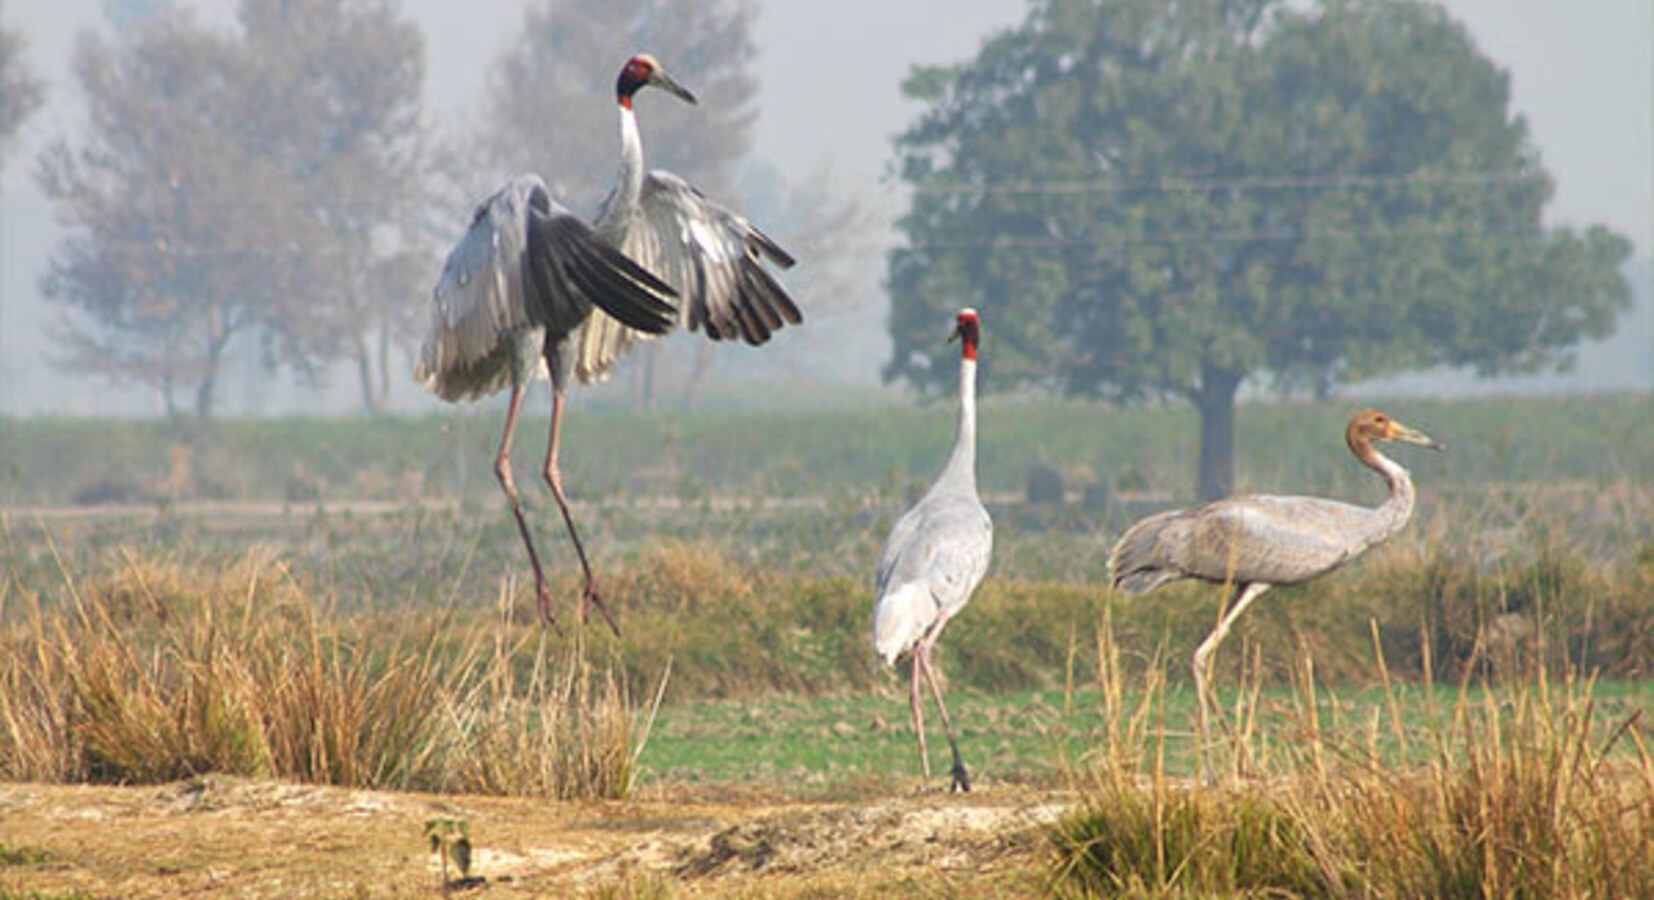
(935, 557)
(532, 291)
(1257, 542)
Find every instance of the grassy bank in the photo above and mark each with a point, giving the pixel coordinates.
(816, 453)
(149, 668)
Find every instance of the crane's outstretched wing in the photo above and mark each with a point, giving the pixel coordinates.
(715, 259)
(1272, 540)
(526, 263)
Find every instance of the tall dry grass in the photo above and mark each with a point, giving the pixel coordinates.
(162, 669)
(1528, 791)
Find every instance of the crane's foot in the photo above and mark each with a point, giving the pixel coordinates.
(961, 778)
(548, 612)
(591, 598)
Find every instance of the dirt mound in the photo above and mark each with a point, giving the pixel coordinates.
(929, 831)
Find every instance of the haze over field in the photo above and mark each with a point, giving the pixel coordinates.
(1583, 75)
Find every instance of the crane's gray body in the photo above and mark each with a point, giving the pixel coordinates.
(1256, 539)
(1257, 542)
(525, 270)
(938, 552)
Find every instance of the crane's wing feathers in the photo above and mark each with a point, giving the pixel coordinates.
(715, 259)
(1273, 540)
(525, 263)
(566, 256)
(477, 301)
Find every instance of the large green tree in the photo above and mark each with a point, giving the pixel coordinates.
(1169, 199)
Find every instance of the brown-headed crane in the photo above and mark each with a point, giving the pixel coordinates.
(532, 291)
(1257, 542)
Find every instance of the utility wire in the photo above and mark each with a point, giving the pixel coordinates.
(1234, 183)
(1267, 235)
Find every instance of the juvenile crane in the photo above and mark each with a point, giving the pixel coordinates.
(935, 557)
(531, 291)
(1257, 542)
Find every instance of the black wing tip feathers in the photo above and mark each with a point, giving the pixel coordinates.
(760, 307)
(771, 249)
(610, 279)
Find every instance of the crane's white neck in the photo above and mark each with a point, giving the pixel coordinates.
(962, 463)
(1394, 512)
(631, 159)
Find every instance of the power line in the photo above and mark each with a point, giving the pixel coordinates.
(1234, 183)
(1264, 235)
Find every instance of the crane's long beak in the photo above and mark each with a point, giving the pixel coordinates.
(669, 84)
(1414, 436)
(956, 335)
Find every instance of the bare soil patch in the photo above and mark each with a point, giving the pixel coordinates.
(219, 836)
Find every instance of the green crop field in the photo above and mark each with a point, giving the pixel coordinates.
(863, 743)
(814, 452)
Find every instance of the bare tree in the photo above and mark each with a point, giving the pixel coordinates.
(337, 105)
(258, 181)
(20, 93)
(169, 254)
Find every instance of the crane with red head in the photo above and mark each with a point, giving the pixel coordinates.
(531, 291)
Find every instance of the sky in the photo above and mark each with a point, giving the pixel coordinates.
(1582, 75)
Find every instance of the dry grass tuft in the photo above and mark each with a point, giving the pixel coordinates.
(162, 670)
(1526, 792)
(562, 728)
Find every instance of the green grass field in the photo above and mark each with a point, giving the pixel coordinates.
(775, 454)
(839, 746)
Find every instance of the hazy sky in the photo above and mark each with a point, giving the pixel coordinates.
(1582, 72)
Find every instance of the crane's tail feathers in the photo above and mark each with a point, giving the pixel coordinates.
(1145, 557)
(444, 371)
(1141, 582)
(771, 249)
(900, 616)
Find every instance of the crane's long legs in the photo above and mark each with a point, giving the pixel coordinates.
(502, 471)
(961, 778)
(1244, 595)
(918, 704)
(555, 479)
(921, 667)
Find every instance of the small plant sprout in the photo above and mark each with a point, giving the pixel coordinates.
(450, 841)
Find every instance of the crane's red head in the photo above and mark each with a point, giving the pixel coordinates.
(968, 330)
(642, 71)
